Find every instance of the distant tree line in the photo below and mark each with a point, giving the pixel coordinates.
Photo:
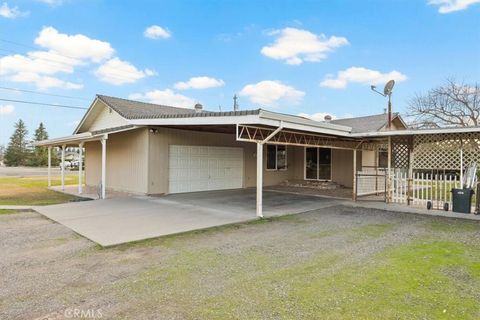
(20, 150)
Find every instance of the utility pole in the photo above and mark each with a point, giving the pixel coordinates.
(235, 103)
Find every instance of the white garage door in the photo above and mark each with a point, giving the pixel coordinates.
(201, 168)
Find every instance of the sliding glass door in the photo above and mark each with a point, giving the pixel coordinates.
(318, 164)
(311, 163)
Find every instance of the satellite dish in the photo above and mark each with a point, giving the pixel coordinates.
(388, 87)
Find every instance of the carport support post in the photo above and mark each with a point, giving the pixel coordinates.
(259, 179)
(49, 174)
(80, 167)
(389, 170)
(461, 164)
(104, 165)
(63, 168)
(354, 195)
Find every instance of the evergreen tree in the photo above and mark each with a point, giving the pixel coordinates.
(39, 156)
(17, 150)
(2, 152)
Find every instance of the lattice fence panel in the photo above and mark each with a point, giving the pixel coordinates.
(442, 151)
(400, 153)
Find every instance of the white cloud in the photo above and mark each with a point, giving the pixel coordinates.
(32, 69)
(44, 82)
(319, 116)
(52, 3)
(63, 54)
(7, 109)
(75, 46)
(41, 62)
(11, 12)
(165, 97)
(271, 93)
(199, 83)
(118, 72)
(295, 46)
(447, 6)
(157, 32)
(361, 75)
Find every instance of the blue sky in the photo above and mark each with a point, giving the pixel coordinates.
(299, 57)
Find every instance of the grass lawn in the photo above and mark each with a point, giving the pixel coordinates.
(7, 211)
(33, 190)
(334, 263)
(427, 278)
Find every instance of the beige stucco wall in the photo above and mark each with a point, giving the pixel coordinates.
(137, 160)
(102, 117)
(159, 148)
(368, 158)
(127, 161)
(342, 166)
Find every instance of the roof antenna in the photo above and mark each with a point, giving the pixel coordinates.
(235, 103)
(220, 108)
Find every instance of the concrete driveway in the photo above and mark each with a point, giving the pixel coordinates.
(125, 219)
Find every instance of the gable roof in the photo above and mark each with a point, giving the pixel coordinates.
(130, 109)
(367, 123)
(138, 113)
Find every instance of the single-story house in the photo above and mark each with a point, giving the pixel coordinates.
(152, 149)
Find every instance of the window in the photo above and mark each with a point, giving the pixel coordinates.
(382, 158)
(276, 157)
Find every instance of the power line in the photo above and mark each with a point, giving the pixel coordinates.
(44, 94)
(18, 44)
(44, 104)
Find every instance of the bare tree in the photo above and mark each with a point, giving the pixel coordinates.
(450, 105)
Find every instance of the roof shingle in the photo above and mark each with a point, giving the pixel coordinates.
(130, 109)
(365, 124)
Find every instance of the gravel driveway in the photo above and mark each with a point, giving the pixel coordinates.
(48, 272)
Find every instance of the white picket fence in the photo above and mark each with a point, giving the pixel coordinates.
(422, 187)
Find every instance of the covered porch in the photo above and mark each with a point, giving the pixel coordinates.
(76, 141)
(318, 156)
(423, 166)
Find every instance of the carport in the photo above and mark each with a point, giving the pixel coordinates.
(126, 219)
(262, 135)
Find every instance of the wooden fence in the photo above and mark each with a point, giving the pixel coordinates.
(423, 187)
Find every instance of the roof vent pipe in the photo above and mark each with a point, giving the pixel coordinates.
(327, 117)
(198, 108)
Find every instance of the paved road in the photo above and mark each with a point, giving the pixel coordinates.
(26, 171)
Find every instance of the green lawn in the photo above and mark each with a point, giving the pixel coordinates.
(33, 190)
(334, 263)
(434, 275)
(7, 211)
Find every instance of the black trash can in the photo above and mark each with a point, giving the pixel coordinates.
(462, 200)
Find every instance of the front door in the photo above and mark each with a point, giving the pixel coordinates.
(318, 163)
